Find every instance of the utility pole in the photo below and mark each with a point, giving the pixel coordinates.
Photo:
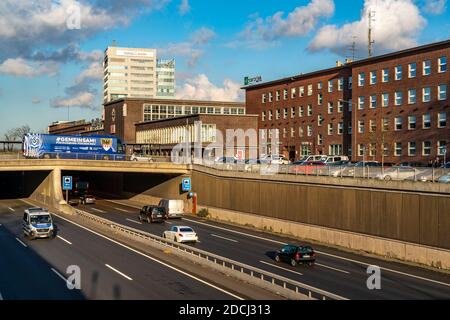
(371, 16)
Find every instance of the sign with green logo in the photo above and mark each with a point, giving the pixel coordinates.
(250, 81)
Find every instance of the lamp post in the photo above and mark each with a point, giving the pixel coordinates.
(354, 150)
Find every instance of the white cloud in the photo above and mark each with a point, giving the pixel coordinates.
(202, 36)
(184, 7)
(80, 100)
(93, 72)
(435, 7)
(396, 26)
(22, 68)
(262, 32)
(200, 88)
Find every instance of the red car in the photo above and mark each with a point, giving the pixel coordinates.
(308, 167)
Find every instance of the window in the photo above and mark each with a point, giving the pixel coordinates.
(373, 101)
(300, 132)
(263, 98)
(426, 121)
(372, 126)
(319, 99)
(426, 148)
(301, 111)
(284, 132)
(361, 103)
(285, 113)
(373, 77)
(442, 147)
(310, 89)
(361, 150)
(335, 150)
(270, 97)
(270, 115)
(398, 73)
(412, 122)
(330, 86)
(340, 128)
(277, 114)
(285, 94)
(340, 84)
(350, 128)
(385, 100)
(411, 149)
(442, 64)
(310, 110)
(398, 123)
(277, 97)
(398, 149)
(330, 129)
(385, 148)
(319, 85)
(263, 116)
(361, 126)
(350, 83)
(442, 119)
(302, 91)
(293, 93)
(372, 150)
(385, 75)
(340, 106)
(412, 97)
(292, 132)
(412, 70)
(398, 98)
(426, 94)
(361, 79)
(349, 105)
(330, 107)
(319, 120)
(442, 92)
(385, 125)
(319, 139)
(309, 130)
(426, 68)
(292, 112)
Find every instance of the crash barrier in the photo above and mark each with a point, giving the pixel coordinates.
(285, 287)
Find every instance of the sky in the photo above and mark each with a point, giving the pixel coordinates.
(51, 50)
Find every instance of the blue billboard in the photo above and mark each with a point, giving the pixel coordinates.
(67, 146)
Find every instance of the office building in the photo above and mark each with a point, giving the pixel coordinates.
(165, 78)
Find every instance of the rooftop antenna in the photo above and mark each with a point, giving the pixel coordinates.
(371, 18)
(114, 43)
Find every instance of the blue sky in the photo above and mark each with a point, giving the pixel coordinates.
(45, 66)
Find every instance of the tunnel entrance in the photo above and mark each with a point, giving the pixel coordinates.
(20, 184)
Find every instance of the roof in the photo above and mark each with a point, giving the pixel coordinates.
(195, 116)
(169, 101)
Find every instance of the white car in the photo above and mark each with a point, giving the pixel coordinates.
(277, 160)
(140, 157)
(181, 234)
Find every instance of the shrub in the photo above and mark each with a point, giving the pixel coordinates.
(203, 213)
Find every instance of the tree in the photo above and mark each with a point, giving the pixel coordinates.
(14, 135)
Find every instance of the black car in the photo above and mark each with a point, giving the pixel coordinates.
(153, 214)
(296, 254)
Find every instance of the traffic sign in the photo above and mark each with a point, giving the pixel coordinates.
(67, 183)
(186, 185)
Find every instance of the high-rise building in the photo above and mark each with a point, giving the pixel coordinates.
(129, 73)
(165, 78)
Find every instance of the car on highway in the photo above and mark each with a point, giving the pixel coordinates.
(174, 208)
(405, 173)
(37, 223)
(152, 214)
(181, 234)
(444, 179)
(294, 255)
(307, 167)
(87, 199)
(140, 157)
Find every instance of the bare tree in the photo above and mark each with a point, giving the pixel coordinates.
(15, 135)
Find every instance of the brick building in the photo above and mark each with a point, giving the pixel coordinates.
(81, 127)
(160, 136)
(397, 104)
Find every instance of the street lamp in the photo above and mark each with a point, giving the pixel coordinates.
(354, 150)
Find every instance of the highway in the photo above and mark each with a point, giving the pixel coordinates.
(109, 270)
(336, 271)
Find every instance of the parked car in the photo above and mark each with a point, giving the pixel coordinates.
(296, 254)
(181, 234)
(307, 167)
(444, 178)
(411, 165)
(405, 173)
(140, 157)
(335, 159)
(231, 160)
(152, 214)
(446, 166)
(174, 208)
(277, 160)
(87, 199)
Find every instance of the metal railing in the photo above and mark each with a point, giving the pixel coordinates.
(279, 282)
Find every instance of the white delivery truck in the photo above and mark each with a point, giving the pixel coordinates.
(174, 208)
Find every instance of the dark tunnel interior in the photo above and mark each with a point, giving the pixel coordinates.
(20, 184)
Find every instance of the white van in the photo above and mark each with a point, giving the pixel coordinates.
(37, 223)
(174, 208)
(333, 159)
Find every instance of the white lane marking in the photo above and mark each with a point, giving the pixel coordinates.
(169, 222)
(59, 275)
(123, 210)
(153, 259)
(117, 271)
(232, 240)
(66, 241)
(98, 210)
(331, 268)
(324, 253)
(11, 209)
(21, 242)
(273, 265)
(131, 220)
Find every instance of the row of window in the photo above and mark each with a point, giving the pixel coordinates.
(411, 148)
(292, 111)
(157, 112)
(174, 135)
(398, 72)
(441, 95)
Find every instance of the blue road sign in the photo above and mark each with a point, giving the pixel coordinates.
(67, 183)
(186, 185)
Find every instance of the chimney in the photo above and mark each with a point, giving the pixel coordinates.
(339, 63)
(348, 60)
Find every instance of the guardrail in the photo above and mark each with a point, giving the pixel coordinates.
(84, 156)
(289, 288)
